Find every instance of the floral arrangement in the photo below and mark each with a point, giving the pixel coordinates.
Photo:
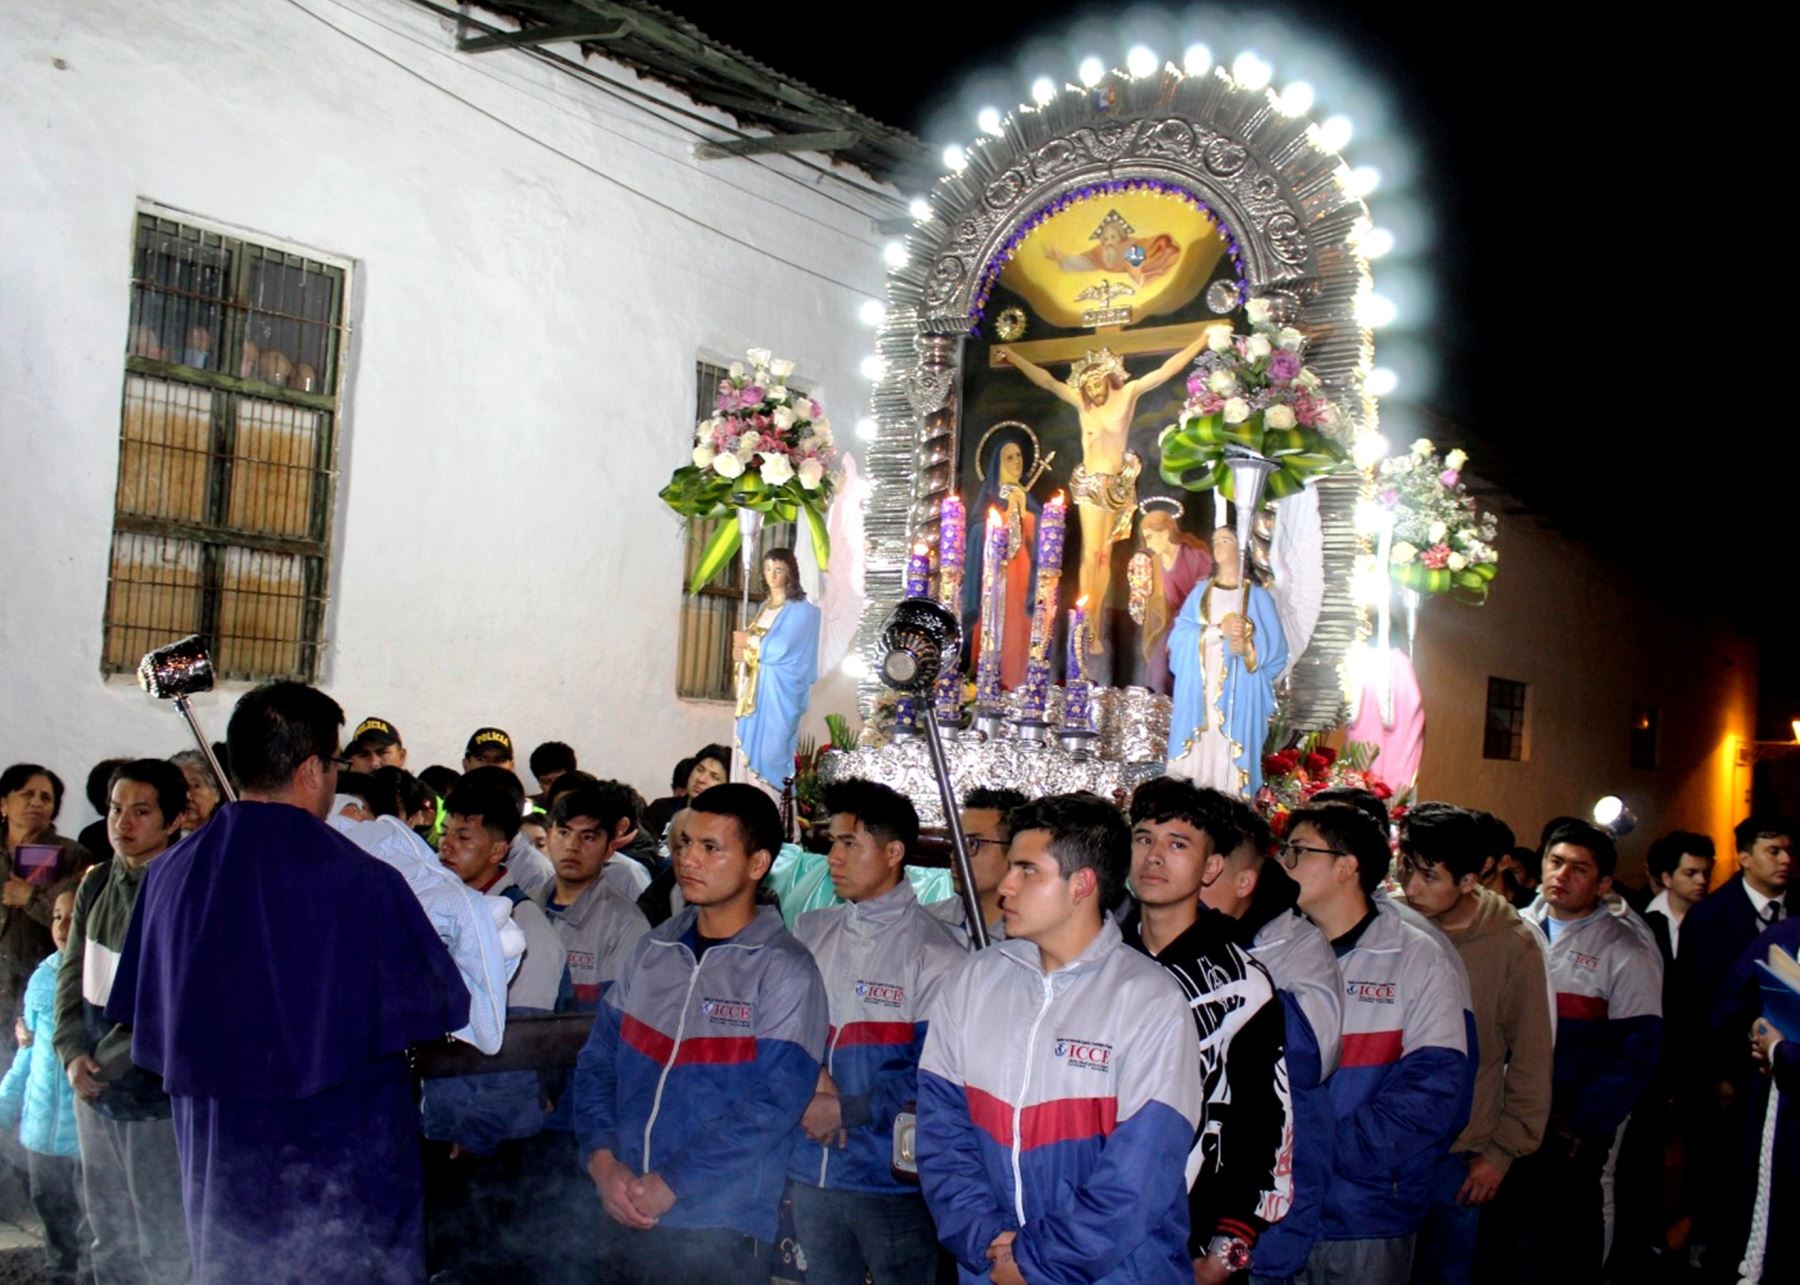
(809, 789)
(1442, 542)
(765, 447)
(1254, 392)
(1292, 776)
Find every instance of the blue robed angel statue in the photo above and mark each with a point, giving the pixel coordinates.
(778, 662)
(1227, 652)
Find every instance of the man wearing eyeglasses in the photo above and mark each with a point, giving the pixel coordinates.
(1239, 1179)
(1401, 1090)
(987, 826)
(1258, 897)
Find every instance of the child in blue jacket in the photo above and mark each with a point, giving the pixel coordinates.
(36, 1096)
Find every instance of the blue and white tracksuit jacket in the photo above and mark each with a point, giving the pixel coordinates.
(883, 961)
(1607, 976)
(699, 1070)
(1401, 1091)
(1306, 975)
(1061, 1106)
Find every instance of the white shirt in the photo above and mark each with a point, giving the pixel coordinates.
(1661, 902)
(1762, 903)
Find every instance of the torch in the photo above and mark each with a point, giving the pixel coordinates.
(916, 639)
(175, 673)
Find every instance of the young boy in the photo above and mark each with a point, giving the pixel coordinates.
(1059, 1088)
(1241, 1181)
(130, 1175)
(1680, 866)
(989, 834)
(702, 1061)
(882, 958)
(38, 1097)
(1442, 858)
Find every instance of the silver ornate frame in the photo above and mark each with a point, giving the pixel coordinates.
(1283, 200)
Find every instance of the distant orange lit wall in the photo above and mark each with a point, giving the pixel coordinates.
(1589, 645)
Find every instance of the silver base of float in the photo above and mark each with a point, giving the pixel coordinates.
(1079, 742)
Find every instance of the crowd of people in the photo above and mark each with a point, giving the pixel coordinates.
(1371, 1048)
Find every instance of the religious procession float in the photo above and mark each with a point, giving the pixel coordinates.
(1122, 437)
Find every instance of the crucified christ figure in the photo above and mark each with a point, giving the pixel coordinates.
(1104, 484)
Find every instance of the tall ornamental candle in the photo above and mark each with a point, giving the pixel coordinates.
(1035, 694)
(918, 571)
(1075, 682)
(952, 545)
(993, 624)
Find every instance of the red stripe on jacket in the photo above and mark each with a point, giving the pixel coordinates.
(871, 1033)
(1059, 1120)
(1371, 1048)
(715, 1050)
(1582, 1008)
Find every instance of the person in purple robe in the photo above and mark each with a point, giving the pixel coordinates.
(274, 975)
(1178, 560)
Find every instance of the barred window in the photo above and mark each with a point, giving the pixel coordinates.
(227, 450)
(703, 668)
(1504, 736)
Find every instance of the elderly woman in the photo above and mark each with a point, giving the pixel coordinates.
(30, 798)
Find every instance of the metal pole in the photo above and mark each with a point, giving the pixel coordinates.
(187, 711)
(959, 843)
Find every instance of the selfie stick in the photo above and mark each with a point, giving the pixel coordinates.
(918, 634)
(175, 673)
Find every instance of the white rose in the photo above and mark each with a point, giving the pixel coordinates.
(1237, 410)
(781, 368)
(776, 469)
(822, 427)
(1218, 339)
(1436, 532)
(1257, 347)
(1306, 379)
(1326, 416)
(1456, 562)
(1403, 553)
(759, 357)
(746, 448)
(1257, 310)
(809, 444)
(812, 472)
(778, 394)
(728, 466)
(1290, 339)
(1279, 416)
(1455, 460)
(737, 370)
(703, 456)
(1423, 447)
(784, 417)
(1222, 382)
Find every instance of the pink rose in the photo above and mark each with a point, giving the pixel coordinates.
(1449, 478)
(1436, 556)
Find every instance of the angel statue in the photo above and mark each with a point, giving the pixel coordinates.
(1104, 484)
(1228, 651)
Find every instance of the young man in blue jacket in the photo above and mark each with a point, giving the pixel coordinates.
(882, 958)
(1607, 975)
(703, 1058)
(1059, 1089)
(1402, 1085)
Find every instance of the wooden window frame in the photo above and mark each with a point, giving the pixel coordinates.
(1511, 698)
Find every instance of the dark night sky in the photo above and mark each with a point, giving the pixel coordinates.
(1571, 175)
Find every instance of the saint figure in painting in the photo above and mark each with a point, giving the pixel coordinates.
(1227, 651)
(1177, 561)
(1121, 250)
(1006, 490)
(1104, 484)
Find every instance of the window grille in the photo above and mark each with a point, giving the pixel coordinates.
(1504, 736)
(227, 451)
(704, 670)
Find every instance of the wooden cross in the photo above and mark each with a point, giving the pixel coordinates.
(1145, 341)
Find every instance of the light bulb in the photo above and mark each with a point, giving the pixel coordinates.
(1368, 450)
(867, 429)
(1380, 382)
(1363, 180)
(1334, 133)
(987, 120)
(894, 252)
(1377, 242)
(955, 159)
(872, 312)
(1091, 70)
(1250, 71)
(873, 367)
(1043, 91)
(1376, 311)
(1141, 61)
(920, 209)
(1297, 98)
(1197, 61)
(855, 666)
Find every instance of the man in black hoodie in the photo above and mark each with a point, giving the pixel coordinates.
(1242, 1182)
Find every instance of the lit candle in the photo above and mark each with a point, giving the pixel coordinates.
(952, 545)
(993, 625)
(918, 571)
(1075, 682)
(1034, 697)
